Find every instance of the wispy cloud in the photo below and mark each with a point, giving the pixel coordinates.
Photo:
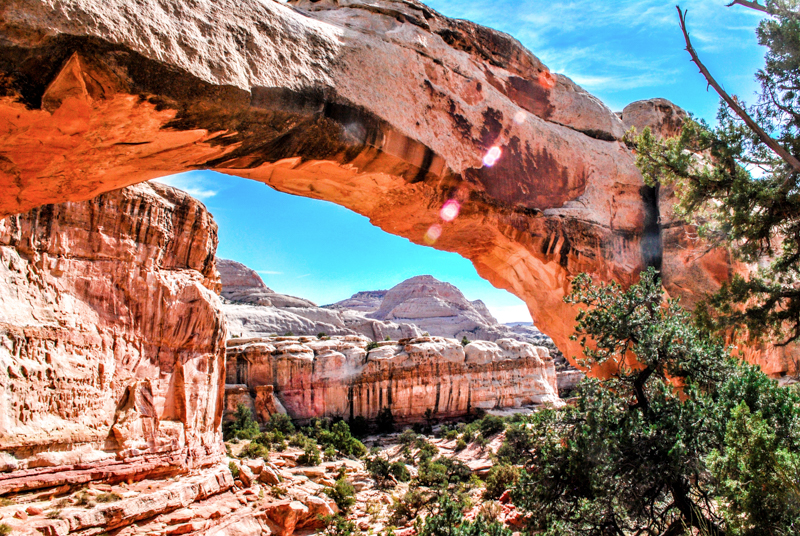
(192, 183)
(268, 272)
(613, 47)
(302, 276)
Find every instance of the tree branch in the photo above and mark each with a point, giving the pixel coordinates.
(776, 147)
(751, 5)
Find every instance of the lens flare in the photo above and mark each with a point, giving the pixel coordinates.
(433, 234)
(450, 210)
(492, 156)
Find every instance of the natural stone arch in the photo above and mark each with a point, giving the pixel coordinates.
(385, 108)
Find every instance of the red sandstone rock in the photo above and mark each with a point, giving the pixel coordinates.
(111, 344)
(336, 377)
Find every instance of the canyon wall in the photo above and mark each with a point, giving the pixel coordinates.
(308, 377)
(439, 130)
(111, 339)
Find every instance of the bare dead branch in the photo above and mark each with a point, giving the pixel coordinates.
(751, 5)
(776, 147)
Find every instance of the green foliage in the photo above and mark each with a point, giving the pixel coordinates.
(243, 426)
(234, 469)
(359, 426)
(322, 335)
(635, 454)
(460, 444)
(255, 450)
(280, 422)
(310, 455)
(385, 421)
(443, 473)
(464, 340)
(491, 425)
(380, 469)
(5, 529)
(400, 471)
(343, 494)
(288, 334)
(329, 453)
(425, 450)
(758, 479)
(108, 497)
(336, 435)
(339, 525)
(372, 345)
(500, 478)
(756, 214)
(448, 520)
(408, 506)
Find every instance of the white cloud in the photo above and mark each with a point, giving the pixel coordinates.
(191, 183)
(510, 313)
(268, 272)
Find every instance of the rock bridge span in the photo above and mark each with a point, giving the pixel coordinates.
(438, 130)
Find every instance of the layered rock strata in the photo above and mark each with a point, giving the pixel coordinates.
(111, 340)
(347, 102)
(254, 310)
(339, 376)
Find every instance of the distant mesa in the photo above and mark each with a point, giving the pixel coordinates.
(417, 306)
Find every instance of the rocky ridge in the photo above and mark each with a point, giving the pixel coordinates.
(307, 377)
(111, 339)
(355, 119)
(254, 310)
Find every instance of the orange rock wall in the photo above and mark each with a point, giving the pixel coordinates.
(111, 336)
(338, 377)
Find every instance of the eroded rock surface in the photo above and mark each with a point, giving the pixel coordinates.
(339, 376)
(385, 107)
(111, 339)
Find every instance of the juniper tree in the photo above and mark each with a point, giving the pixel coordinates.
(739, 179)
(652, 449)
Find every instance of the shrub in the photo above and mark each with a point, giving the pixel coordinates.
(500, 478)
(107, 497)
(255, 450)
(234, 469)
(310, 455)
(4, 529)
(359, 426)
(407, 507)
(329, 454)
(321, 335)
(280, 422)
(400, 471)
(379, 469)
(372, 345)
(385, 420)
(491, 425)
(464, 340)
(426, 450)
(339, 525)
(460, 444)
(448, 520)
(343, 494)
(408, 437)
(243, 426)
(288, 334)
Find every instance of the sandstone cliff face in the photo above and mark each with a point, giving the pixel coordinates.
(111, 338)
(340, 102)
(254, 310)
(339, 377)
(385, 107)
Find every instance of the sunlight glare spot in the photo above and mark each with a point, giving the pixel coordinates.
(492, 156)
(433, 234)
(450, 210)
(520, 117)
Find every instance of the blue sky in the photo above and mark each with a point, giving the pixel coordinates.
(621, 51)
